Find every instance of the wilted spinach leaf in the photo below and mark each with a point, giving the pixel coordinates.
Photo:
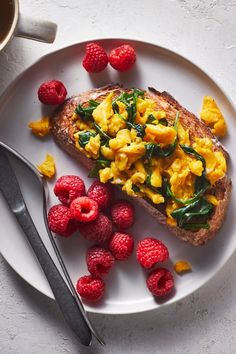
(140, 128)
(150, 119)
(153, 149)
(100, 163)
(163, 121)
(135, 188)
(103, 135)
(130, 100)
(189, 150)
(84, 137)
(86, 112)
(200, 208)
(201, 185)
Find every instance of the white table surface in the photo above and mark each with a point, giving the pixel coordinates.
(205, 322)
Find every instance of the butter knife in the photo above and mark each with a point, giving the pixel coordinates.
(10, 189)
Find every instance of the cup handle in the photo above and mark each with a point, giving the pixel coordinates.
(38, 30)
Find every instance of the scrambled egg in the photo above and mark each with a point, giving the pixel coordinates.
(182, 172)
(170, 207)
(41, 127)
(93, 146)
(182, 267)
(48, 167)
(215, 161)
(147, 107)
(160, 134)
(183, 135)
(211, 199)
(213, 117)
(123, 144)
(103, 112)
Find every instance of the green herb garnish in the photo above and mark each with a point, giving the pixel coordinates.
(163, 121)
(189, 150)
(101, 132)
(100, 163)
(199, 208)
(86, 112)
(196, 207)
(140, 128)
(84, 138)
(135, 188)
(130, 100)
(196, 226)
(150, 119)
(201, 185)
(153, 149)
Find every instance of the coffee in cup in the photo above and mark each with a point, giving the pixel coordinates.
(6, 17)
(14, 23)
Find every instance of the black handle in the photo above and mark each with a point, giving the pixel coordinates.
(62, 294)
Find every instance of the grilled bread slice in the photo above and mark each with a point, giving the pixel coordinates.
(63, 131)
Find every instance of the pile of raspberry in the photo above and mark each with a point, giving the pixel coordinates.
(96, 59)
(104, 221)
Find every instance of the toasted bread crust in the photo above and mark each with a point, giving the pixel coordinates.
(61, 128)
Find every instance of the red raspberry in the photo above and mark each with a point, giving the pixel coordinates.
(84, 209)
(151, 251)
(90, 288)
(95, 59)
(122, 58)
(52, 92)
(121, 245)
(67, 188)
(160, 282)
(122, 214)
(60, 221)
(99, 261)
(98, 230)
(102, 193)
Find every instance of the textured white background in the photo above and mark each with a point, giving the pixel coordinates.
(205, 322)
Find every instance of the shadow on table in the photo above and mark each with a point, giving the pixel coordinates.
(160, 331)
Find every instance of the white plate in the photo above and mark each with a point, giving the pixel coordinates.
(157, 67)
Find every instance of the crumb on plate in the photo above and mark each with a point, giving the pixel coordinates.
(48, 167)
(182, 267)
(40, 127)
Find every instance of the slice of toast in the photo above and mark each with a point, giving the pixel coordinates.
(62, 130)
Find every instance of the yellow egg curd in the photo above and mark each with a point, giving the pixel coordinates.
(212, 116)
(148, 153)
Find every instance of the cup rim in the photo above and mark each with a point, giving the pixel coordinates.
(13, 26)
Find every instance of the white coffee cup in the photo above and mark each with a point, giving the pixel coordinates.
(27, 27)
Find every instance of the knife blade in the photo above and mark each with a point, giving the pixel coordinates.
(11, 191)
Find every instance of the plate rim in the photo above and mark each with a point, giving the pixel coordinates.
(171, 52)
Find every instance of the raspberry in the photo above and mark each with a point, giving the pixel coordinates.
(99, 261)
(95, 59)
(90, 288)
(67, 188)
(60, 221)
(122, 58)
(151, 251)
(52, 92)
(122, 214)
(84, 209)
(98, 230)
(160, 282)
(121, 245)
(102, 193)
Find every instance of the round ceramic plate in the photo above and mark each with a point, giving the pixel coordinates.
(157, 67)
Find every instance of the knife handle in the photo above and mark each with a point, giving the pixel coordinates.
(63, 296)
